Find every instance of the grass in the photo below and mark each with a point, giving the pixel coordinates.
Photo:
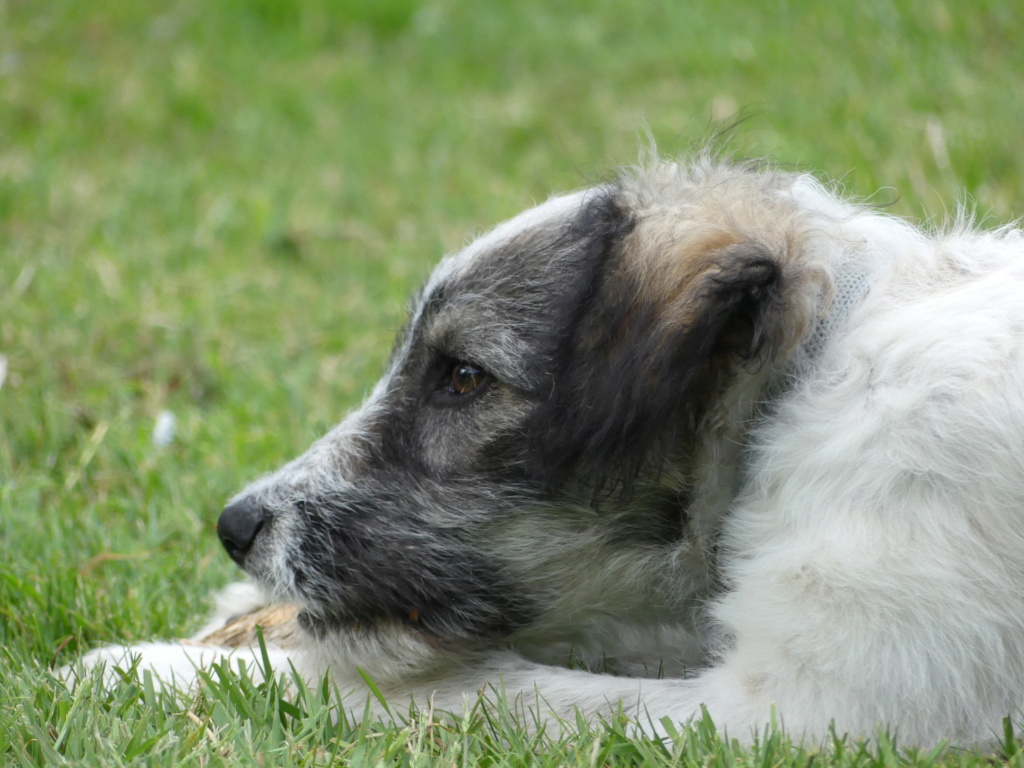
(218, 208)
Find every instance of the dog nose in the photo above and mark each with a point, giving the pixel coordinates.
(238, 526)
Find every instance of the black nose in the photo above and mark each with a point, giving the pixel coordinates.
(238, 527)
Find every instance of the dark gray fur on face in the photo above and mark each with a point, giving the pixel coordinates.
(538, 505)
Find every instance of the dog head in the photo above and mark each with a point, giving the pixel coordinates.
(557, 424)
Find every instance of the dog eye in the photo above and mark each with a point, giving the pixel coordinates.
(465, 377)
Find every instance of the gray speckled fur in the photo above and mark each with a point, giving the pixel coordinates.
(434, 506)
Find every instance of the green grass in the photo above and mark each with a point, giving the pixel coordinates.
(217, 208)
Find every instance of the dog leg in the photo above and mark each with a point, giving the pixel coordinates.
(172, 665)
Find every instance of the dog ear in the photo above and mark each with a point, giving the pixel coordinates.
(646, 351)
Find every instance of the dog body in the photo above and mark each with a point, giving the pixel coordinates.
(710, 435)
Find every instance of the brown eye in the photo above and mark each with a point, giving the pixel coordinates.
(465, 378)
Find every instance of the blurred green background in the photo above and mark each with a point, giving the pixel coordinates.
(218, 207)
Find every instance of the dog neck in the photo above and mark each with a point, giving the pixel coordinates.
(851, 285)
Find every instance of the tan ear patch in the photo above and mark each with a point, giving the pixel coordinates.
(677, 253)
(667, 261)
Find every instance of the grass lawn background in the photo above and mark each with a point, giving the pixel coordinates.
(218, 209)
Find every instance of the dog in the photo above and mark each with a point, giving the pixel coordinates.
(706, 436)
